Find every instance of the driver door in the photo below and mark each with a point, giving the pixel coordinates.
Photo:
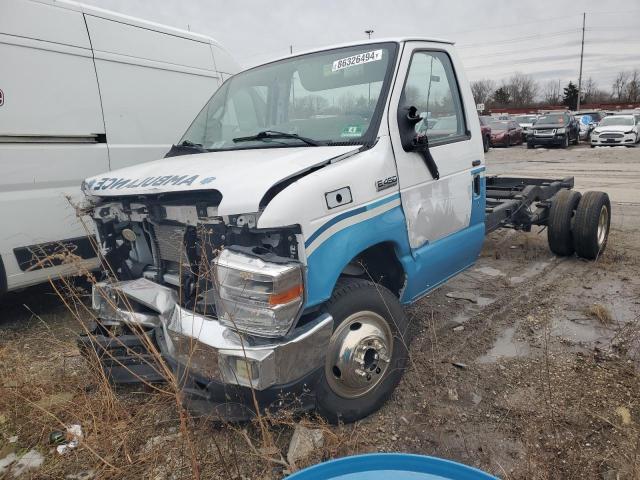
(444, 217)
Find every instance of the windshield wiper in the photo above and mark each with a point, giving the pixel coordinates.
(267, 134)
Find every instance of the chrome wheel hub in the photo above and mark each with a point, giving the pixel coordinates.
(603, 221)
(359, 354)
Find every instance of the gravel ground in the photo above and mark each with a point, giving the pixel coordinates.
(533, 375)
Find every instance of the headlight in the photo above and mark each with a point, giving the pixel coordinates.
(257, 296)
(630, 131)
(561, 130)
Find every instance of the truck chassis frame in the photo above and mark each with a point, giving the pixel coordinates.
(519, 203)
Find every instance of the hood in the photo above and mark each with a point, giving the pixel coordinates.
(614, 128)
(241, 176)
(549, 126)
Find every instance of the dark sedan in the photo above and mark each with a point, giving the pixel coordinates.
(505, 133)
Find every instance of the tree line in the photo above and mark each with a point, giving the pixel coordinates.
(522, 90)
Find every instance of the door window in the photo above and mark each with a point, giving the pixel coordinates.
(431, 87)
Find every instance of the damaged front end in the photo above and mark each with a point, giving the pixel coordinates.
(218, 299)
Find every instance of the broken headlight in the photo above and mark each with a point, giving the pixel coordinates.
(257, 296)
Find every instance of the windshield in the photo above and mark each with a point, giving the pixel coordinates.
(334, 97)
(499, 125)
(608, 121)
(526, 119)
(557, 119)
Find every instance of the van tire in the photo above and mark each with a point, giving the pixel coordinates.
(561, 214)
(591, 225)
(350, 298)
(485, 144)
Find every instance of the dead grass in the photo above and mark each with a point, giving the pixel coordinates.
(601, 313)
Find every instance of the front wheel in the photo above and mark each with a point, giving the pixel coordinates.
(565, 143)
(530, 145)
(367, 352)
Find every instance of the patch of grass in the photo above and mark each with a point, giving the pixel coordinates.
(601, 313)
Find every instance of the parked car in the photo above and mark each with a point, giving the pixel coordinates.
(505, 133)
(526, 122)
(85, 90)
(485, 131)
(256, 303)
(586, 125)
(596, 115)
(616, 130)
(555, 129)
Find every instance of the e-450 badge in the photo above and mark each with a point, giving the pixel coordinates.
(386, 183)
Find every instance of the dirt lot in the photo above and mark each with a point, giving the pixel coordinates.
(525, 366)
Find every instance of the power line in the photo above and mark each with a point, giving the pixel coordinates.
(521, 39)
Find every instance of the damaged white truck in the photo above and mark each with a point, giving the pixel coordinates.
(269, 255)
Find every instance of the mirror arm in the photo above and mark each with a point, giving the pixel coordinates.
(421, 146)
(408, 117)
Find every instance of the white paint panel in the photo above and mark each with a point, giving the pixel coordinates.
(48, 92)
(128, 40)
(147, 109)
(50, 23)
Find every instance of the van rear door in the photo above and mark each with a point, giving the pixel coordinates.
(153, 84)
(51, 129)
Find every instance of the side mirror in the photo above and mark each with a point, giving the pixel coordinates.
(412, 141)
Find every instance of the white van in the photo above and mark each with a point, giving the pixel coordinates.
(84, 90)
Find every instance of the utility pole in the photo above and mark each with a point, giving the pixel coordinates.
(369, 32)
(584, 15)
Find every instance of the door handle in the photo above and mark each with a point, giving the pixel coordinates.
(476, 163)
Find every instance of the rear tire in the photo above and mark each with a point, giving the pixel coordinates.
(561, 214)
(485, 144)
(591, 225)
(357, 379)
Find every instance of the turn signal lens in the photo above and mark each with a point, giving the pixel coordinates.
(286, 297)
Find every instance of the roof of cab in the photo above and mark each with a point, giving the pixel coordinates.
(360, 42)
(110, 15)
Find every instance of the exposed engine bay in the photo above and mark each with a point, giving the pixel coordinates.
(173, 238)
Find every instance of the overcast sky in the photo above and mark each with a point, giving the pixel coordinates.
(495, 37)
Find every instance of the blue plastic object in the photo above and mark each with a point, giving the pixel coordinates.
(390, 466)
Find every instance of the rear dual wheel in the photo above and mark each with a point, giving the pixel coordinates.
(579, 223)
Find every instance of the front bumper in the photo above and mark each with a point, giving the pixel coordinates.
(556, 140)
(624, 139)
(206, 355)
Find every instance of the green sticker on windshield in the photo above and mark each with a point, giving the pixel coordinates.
(351, 131)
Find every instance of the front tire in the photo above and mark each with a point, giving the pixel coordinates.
(565, 144)
(367, 353)
(591, 225)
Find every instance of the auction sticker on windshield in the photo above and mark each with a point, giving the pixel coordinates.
(359, 59)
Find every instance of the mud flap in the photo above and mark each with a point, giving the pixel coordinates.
(124, 358)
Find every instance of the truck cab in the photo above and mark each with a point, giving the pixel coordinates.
(311, 199)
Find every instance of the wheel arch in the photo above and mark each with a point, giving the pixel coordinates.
(380, 244)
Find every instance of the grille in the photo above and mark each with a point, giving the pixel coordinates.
(170, 243)
(611, 135)
(544, 133)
